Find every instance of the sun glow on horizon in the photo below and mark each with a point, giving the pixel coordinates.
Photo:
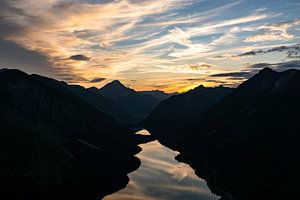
(170, 45)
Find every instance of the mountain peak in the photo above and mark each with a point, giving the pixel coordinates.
(93, 88)
(115, 88)
(267, 70)
(115, 83)
(198, 88)
(266, 75)
(15, 72)
(158, 94)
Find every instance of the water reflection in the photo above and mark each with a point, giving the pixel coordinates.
(161, 177)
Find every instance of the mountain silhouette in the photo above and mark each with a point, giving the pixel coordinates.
(54, 145)
(159, 94)
(247, 145)
(172, 115)
(136, 103)
(103, 104)
(60, 141)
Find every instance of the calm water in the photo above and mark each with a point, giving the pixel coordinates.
(161, 177)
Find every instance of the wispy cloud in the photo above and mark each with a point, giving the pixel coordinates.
(97, 80)
(251, 69)
(291, 51)
(200, 66)
(168, 41)
(276, 31)
(277, 66)
(234, 75)
(79, 57)
(53, 29)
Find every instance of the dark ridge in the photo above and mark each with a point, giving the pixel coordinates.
(159, 94)
(55, 145)
(102, 103)
(173, 115)
(137, 104)
(247, 145)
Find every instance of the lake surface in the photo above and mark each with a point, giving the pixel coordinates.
(161, 177)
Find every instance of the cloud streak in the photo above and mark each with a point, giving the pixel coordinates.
(152, 41)
(293, 49)
(276, 31)
(277, 66)
(235, 75)
(97, 80)
(79, 57)
(251, 70)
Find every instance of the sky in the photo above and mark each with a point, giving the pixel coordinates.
(170, 45)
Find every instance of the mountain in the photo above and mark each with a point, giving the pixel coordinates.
(54, 145)
(159, 94)
(136, 103)
(102, 103)
(247, 145)
(172, 115)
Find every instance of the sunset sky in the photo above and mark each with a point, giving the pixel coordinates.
(171, 45)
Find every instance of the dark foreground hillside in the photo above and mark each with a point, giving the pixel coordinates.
(54, 145)
(247, 145)
(171, 117)
(103, 104)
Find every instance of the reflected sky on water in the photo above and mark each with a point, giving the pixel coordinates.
(161, 177)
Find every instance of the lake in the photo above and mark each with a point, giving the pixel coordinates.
(161, 177)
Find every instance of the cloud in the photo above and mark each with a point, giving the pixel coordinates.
(74, 79)
(277, 66)
(216, 81)
(251, 70)
(224, 56)
(292, 50)
(228, 37)
(276, 31)
(79, 57)
(251, 53)
(56, 28)
(97, 80)
(294, 53)
(235, 75)
(153, 42)
(195, 79)
(200, 66)
(194, 50)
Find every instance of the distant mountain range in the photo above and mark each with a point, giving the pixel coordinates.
(247, 144)
(159, 94)
(138, 104)
(60, 141)
(55, 145)
(103, 104)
